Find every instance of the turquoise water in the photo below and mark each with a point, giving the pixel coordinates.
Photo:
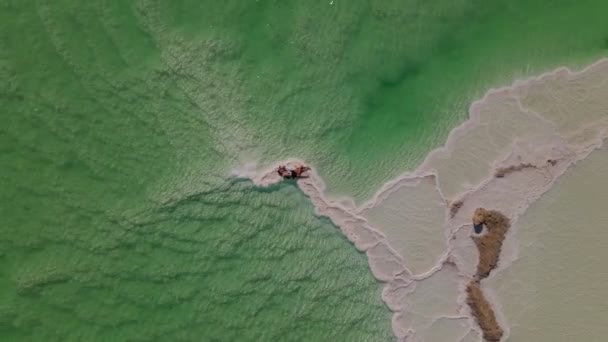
(122, 120)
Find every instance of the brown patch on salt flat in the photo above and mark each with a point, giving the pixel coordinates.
(503, 171)
(489, 246)
(454, 207)
(483, 313)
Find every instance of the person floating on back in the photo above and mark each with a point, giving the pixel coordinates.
(291, 171)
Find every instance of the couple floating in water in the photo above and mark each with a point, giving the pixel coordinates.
(292, 171)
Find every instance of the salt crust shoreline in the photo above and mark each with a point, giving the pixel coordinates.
(386, 264)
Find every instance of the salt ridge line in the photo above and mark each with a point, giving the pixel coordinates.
(461, 130)
(342, 215)
(316, 195)
(397, 278)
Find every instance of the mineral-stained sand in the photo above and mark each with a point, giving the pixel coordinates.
(416, 230)
(483, 312)
(489, 245)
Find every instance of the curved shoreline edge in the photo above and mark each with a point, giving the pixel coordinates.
(513, 164)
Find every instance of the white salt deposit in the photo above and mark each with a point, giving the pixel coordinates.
(515, 145)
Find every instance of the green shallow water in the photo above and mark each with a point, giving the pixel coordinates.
(121, 121)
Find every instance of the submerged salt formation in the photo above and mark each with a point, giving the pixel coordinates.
(416, 230)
